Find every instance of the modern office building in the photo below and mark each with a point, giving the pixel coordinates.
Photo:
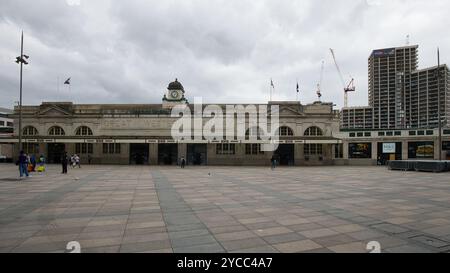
(401, 121)
(400, 96)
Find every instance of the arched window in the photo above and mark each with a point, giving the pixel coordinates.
(285, 131)
(56, 131)
(313, 131)
(254, 132)
(83, 131)
(30, 131)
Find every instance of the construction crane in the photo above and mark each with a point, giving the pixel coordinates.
(319, 85)
(350, 87)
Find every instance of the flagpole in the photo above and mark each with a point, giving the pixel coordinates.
(271, 87)
(296, 97)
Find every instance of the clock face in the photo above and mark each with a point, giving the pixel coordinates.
(174, 94)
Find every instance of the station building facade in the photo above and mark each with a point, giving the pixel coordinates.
(141, 134)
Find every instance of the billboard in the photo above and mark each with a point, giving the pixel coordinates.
(388, 148)
(383, 52)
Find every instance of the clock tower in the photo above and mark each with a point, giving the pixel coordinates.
(174, 95)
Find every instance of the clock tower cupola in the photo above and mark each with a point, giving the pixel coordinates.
(174, 95)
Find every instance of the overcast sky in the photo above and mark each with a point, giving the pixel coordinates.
(225, 51)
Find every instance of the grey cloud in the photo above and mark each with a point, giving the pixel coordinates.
(224, 51)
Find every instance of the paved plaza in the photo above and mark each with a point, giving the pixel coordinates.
(224, 209)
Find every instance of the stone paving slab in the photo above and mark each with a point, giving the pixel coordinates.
(166, 209)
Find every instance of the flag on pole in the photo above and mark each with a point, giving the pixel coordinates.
(67, 81)
(271, 83)
(297, 88)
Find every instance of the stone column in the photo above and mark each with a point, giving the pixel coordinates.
(437, 150)
(374, 150)
(345, 150)
(404, 149)
(153, 153)
(299, 155)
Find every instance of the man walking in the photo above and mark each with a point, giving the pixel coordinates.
(23, 164)
(183, 162)
(64, 162)
(273, 162)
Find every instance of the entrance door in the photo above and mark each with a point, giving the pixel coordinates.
(388, 151)
(285, 154)
(55, 151)
(138, 153)
(167, 154)
(196, 154)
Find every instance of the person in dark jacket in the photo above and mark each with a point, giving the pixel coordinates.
(183, 162)
(64, 162)
(273, 161)
(33, 162)
(23, 164)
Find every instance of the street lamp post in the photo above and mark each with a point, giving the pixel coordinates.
(21, 60)
(439, 107)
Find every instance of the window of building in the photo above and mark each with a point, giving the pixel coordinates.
(111, 148)
(84, 148)
(2, 123)
(30, 148)
(352, 135)
(412, 133)
(422, 149)
(446, 131)
(380, 133)
(254, 133)
(312, 149)
(420, 133)
(9, 124)
(360, 150)
(338, 150)
(367, 134)
(30, 131)
(253, 149)
(313, 131)
(225, 149)
(359, 134)
(389, 133)
(285, 131)
(83, 131)
(56, 131)
(430, 132)
(397, 133)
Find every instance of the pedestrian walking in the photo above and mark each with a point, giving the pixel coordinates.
(183, 162)
(77, 161)
(23, 164)
(273, 162)
(64, 162)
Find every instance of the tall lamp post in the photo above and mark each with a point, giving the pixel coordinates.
(439, 107)
(21, 60)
